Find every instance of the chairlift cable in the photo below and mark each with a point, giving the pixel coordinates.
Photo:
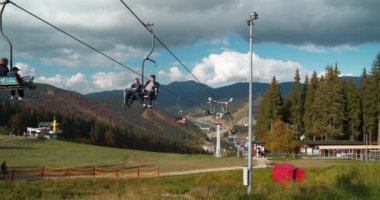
(92, 48)
(2, 32)
(75, 38)
(167, 48)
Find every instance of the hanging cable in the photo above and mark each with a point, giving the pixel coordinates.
(75, 38)
(167, 48)
(93, 48)
(1, 30)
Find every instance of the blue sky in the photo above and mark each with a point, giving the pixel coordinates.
(209, 37)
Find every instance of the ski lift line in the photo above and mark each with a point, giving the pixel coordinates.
(167, 48)
(75, 38)
(150, 53)
(4, 3)
(93, 48)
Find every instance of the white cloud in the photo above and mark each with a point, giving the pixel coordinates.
(346, 74)
(220, 41)
(310, 48)
(229, 67)
(343, 48)
(96, 82)
(25, 69)
(74, 82)
(322, 49)
(76, 79)
(174, 74)
(110, 81)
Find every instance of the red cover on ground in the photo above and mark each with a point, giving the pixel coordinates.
(300, 175)
(284, 173)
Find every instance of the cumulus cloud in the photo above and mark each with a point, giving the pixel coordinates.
(174, 74)
(110, 81)
(228, 67)
(181, 22)
(74, 82)
(99, 81)
(25, 69)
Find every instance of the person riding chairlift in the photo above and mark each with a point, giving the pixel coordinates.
(20, 81)
(151, 91)
(134, 92)
(4, 67)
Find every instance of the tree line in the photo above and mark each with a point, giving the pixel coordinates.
(325, 107)
(16, 118)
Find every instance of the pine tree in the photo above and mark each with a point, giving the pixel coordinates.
(352, 110)
(329, 104)
(309, 108)
(374, 98)
(365, 104)
(294, 103)
(270, 108)
(276, 100)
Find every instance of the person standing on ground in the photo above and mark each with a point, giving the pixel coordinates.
(4, 170)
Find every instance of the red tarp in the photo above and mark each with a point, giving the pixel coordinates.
(284, 173)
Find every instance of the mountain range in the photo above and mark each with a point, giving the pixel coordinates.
(159, 122)
(193, 94)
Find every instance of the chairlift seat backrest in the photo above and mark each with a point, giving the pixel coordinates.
(9, 82)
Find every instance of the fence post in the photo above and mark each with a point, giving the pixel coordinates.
(158, 171)
(94, 171)
(13, 173)
(43, 171)
(138, 172)
(117, 174)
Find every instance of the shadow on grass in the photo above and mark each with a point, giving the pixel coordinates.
(15, 147)
(352, 183)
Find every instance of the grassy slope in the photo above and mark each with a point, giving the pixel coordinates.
(339, 182)
(332, 180)
(21, 152)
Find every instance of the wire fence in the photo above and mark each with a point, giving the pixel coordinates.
(45, 172)
(372, 155)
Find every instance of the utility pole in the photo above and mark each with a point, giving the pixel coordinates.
(218, 114)
(252, 16)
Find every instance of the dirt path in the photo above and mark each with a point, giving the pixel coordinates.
(261, 163)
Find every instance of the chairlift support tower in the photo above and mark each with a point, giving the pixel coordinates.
(218, 114)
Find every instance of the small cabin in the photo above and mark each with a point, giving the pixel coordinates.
(313, 148)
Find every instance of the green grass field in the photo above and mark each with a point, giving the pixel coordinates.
(340, 182)
(325, 179)
(20, 152)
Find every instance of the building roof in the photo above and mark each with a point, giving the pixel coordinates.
(333, 142)
(350, 147)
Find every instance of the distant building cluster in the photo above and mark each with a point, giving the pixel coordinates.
(47, 130)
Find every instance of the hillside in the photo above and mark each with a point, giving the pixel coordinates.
(20, 152)
(150, 130)
(194, 94)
